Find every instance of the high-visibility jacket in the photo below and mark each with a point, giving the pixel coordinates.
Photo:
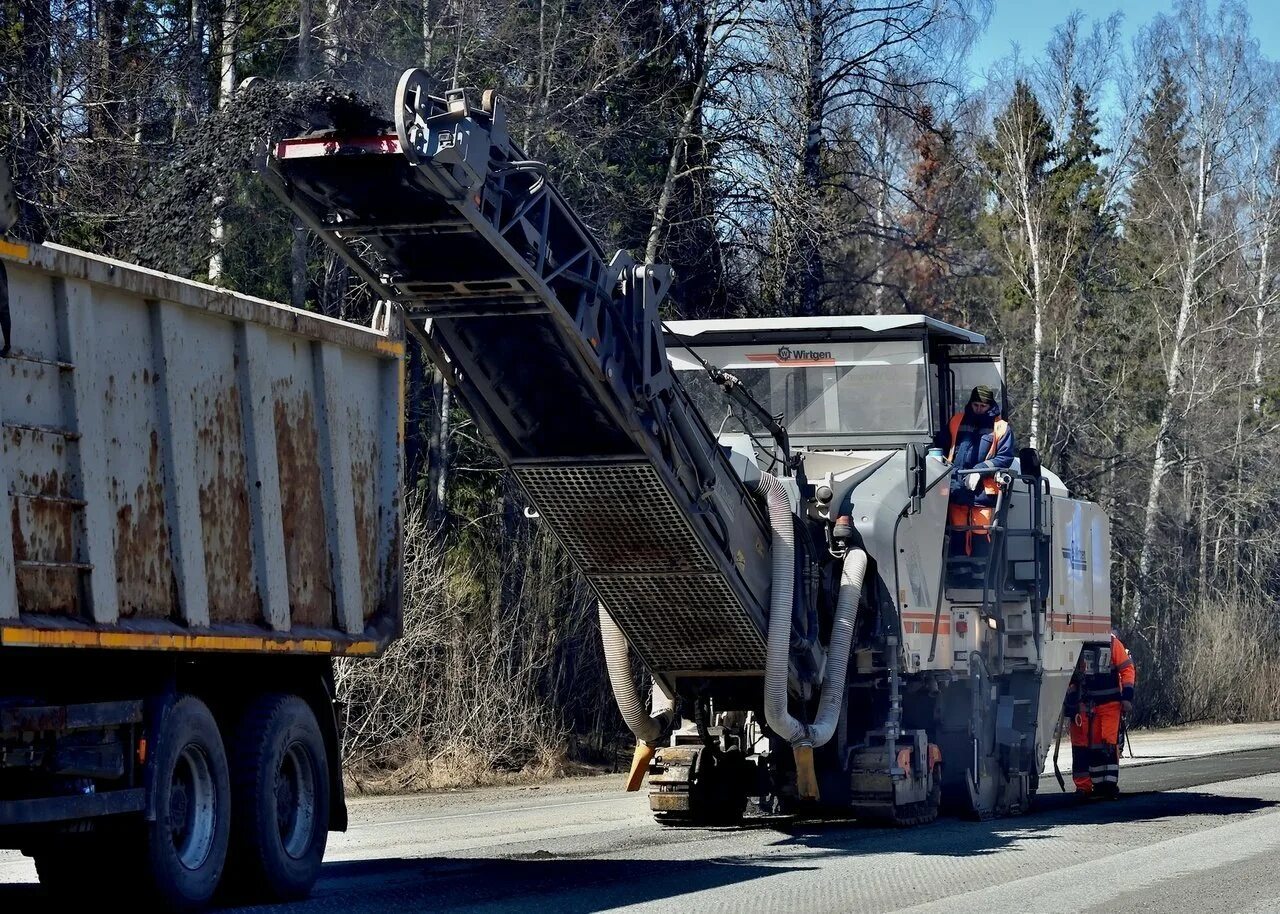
(1104, 673)
(999, 453)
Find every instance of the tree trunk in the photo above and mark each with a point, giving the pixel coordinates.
(1263, 294)
(337, 280)
(109, 34)
(877, 290)
(1109, 499)
(883, 179)
(433, 457)
(1160, 461)
(196, 90)
(298, 264)
(691, 117)
(813, 273)
(227, 85)
(444, 454)
(227, 58)
(1066, 424)
(1205, 579)
(1237, 504)
(418, 401)
(515, 565)
(34, 114)
(305, 28)
(335, 39)
(1033, 439)
(1035, 251)
(428, 35)
(299, 237)
(548, 47)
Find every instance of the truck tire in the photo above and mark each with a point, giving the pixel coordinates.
(280, 792)
(184, 850)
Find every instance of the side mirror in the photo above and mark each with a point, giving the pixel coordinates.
(1029, 460)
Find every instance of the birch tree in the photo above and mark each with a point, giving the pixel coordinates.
(1214, 62)
(1263, 213)
(707, 27)
(1044, 216)
(299, 242)
(1018, 156)
(230, 27)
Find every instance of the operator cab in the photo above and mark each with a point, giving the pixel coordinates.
(839, 383)
(852, 392)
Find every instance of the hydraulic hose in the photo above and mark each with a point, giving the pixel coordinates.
(842, 632)
(782, 591)
(804, 738)
(647, 726)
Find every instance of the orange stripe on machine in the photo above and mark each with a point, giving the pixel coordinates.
(921, 623)
(1071, 622)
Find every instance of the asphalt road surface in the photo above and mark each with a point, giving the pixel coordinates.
(1198, 834)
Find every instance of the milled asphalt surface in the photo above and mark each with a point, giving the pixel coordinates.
(1198, 830)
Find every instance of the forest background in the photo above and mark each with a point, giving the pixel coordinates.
(1105, 208)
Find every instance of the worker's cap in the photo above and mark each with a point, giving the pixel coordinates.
(983, 394)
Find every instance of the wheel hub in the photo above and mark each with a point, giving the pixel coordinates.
(295, 795)
(193, 812)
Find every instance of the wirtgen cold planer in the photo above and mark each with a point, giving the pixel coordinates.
(815, 637)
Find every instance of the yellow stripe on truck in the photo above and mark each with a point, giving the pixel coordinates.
(14, 636)
(16, 251)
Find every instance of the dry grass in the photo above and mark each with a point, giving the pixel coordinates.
(456, 768)
(1229, 665)
(1221, 662)
(498, 667)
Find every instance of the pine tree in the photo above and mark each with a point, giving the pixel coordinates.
(1154, 203)
(1080, 215)
(942, 272)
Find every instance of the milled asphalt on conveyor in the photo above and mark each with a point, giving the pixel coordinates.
(1197, 834)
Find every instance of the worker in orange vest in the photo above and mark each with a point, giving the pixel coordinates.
(1101, 689)
(976, 438)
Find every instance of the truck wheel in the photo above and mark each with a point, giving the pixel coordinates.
(185, 848)
(281, 797)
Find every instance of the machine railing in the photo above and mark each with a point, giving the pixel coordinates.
(989, 571)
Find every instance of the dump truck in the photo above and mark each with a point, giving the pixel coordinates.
(203, 510)
(754, 502)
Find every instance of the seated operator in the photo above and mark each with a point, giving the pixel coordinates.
(976, 438)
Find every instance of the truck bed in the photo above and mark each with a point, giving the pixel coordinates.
(191, 469)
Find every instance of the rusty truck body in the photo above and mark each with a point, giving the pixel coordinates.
(204, 508)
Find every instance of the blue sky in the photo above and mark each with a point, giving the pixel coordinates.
(1029, 23)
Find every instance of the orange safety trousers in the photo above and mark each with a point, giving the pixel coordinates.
(977, 516)
(1095, 751)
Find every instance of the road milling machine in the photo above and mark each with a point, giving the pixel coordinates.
(753, 501)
